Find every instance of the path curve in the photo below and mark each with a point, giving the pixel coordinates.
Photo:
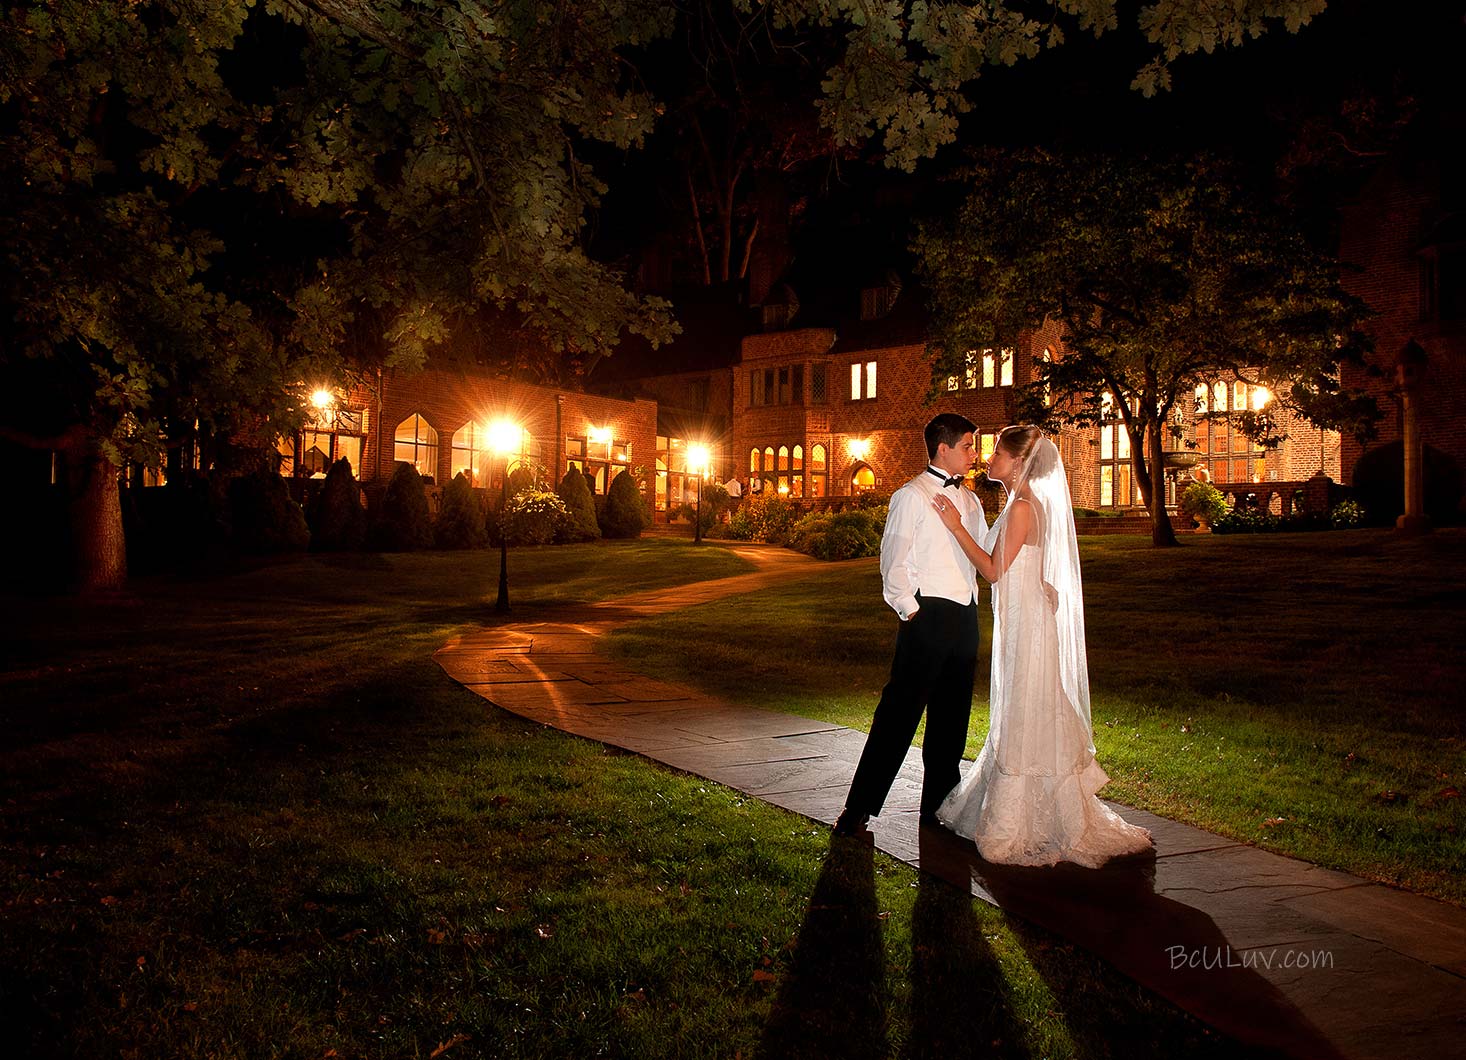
(1218, 927)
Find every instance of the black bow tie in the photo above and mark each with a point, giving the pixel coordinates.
(954, 480)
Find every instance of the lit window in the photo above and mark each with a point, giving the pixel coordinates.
(416, 443)
(970, 371)
(989, 368)
(1201, 404)
(855, 382)
(1005, 372)
(1239, 396)
(870, 379)
(818, 471)
(469, 454)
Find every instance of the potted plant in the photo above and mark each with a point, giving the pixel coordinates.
(1203, 502)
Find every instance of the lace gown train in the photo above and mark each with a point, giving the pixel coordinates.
(1030, 797)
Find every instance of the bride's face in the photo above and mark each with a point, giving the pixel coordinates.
(1001, 466)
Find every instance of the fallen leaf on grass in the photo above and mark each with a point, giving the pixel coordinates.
(544, 931)
(1390, 796)
(110, 899)
(354, 933)
(1447, 793)
(639, 994)
(761, 976)
(1273, 822)
(457, 1039)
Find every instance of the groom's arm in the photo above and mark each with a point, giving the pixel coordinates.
(898, 566)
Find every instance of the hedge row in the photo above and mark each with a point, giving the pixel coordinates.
(256, 514)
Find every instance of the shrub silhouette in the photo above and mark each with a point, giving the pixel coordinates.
(402, 522)
(461, 522)
(338, 522)
(625, 513)
(264, 517)
(580, 523)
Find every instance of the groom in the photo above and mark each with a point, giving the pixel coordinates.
(932, 587)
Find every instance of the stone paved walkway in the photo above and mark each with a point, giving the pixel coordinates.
(1273, 951)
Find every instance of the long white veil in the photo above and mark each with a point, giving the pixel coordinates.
(1042, 482)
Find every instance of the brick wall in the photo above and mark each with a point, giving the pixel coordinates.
(1382, 234)
(449, 397)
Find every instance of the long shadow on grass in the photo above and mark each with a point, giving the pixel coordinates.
(959, 1003)
(1115, 913)
(832, 1001)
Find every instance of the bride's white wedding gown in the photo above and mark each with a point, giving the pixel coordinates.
(1030, 797)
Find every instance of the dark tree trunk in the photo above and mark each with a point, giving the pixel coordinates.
(98, 552)
(1150, 475)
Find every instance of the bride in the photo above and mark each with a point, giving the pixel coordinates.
(1030, 797)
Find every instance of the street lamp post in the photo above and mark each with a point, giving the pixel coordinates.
(503, 440)
(697, 457)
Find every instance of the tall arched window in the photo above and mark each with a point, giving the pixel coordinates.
(470, 454)
(796, 472)
(783, 483)
(753, 461)
(818, 471)
(416, 443)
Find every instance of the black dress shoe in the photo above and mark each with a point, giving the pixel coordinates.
(852, 823)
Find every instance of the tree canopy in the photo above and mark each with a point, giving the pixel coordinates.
(1163, 274)
(207, 207)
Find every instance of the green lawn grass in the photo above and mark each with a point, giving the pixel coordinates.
(248, 816)
(1301, 692)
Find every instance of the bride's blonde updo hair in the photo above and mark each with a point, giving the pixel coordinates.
(1018, 441)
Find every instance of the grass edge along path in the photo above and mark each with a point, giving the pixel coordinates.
(1309, 709)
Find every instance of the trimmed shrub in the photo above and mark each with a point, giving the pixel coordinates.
(580, 507)
(1203, 502)
(534, 517)
(839, 535)
(461, 521)
(524, 477)
(625, 512)
(715, 501)
(338, 520)
(763, 517)
(403, 523)
(1247, 520)
(1346, 515)
(264, 517)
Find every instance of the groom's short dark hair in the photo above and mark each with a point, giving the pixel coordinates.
(946, 428)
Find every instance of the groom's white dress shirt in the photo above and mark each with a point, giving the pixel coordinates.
(918, 553)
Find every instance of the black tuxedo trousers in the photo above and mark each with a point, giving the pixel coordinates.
(934, 667)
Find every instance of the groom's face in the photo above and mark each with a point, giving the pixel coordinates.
(957, 459)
